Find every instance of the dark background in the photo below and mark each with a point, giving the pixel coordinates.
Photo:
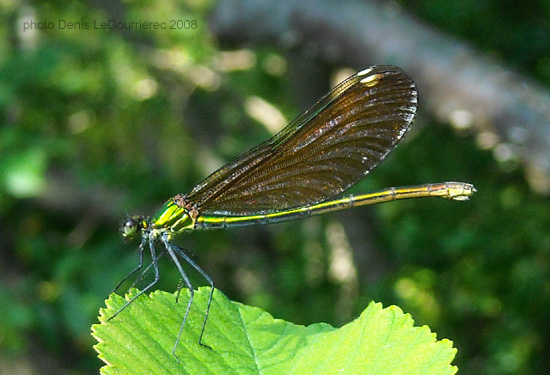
(98, 124)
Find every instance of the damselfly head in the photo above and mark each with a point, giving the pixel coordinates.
(132, 227)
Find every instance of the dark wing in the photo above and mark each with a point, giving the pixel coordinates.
(321, 153)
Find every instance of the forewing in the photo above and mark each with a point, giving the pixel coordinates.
(319, 154)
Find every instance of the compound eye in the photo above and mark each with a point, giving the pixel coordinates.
(130, 228)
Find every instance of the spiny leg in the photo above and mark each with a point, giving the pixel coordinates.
(141, 245)
(178, 290)
(140, 277)
(181, 284)
(179, 252)
(170, 248)
(157, 277)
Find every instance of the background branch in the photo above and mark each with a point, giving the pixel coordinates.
(509, 112)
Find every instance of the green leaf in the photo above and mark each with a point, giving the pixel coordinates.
(248, 340)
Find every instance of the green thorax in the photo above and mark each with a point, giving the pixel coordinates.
(173, 218)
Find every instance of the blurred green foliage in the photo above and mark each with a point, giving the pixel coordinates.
(97, 124)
